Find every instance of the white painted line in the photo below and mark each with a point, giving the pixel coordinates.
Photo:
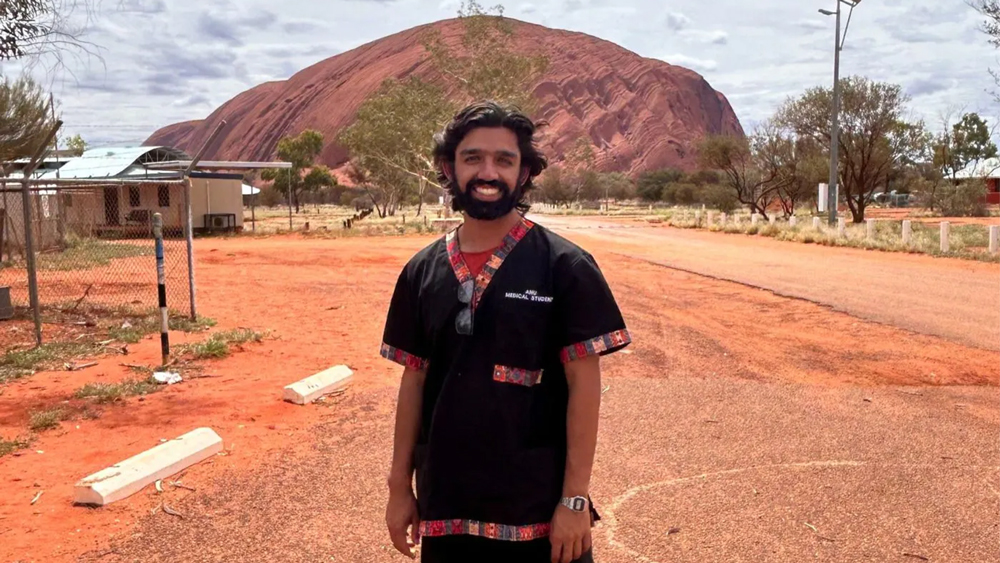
(130, 476)
(315, 386)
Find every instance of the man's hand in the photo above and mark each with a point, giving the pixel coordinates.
(570, 535)
(400, 514)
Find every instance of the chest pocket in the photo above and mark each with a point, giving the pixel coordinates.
(524, 320)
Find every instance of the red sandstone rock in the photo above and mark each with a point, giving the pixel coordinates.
(639, 113)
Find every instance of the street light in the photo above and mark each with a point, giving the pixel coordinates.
(831, 197)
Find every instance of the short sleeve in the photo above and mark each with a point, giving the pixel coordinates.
(402, 339)
(591, 322)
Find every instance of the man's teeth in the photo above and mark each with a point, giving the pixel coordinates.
(488, 190)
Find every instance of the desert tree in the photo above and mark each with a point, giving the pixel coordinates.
(304, 176)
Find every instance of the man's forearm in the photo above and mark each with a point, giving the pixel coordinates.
(408, 406)
(583, 412)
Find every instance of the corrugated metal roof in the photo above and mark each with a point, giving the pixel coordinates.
(110, 162)
(989, 168)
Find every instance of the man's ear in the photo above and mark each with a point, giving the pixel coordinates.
(525, 172)
(449, 170)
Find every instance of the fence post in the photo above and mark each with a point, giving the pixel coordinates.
(710, 218)
(994, 239)
(189, 236)
(161, 288)
(841, 227)
(793, 221)
(29, 253)
(907, 231)
(871, 228)
(945, 229)
(816, 221)
(754, 218)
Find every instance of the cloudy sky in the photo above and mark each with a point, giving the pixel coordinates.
(163, 61)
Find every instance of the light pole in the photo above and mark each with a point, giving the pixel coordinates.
(838, 46)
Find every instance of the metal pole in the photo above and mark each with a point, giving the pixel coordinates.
(161, 288)
(189, 238)
(831, 198)
(290, 200)
(29, 243)
(189, 230)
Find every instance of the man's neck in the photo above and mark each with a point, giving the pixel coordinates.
(479, 236)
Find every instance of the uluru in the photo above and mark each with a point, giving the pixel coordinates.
(639, 113)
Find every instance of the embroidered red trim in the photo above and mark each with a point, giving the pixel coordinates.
(506, 374)
(437, 528)
(461, 269)
(598, 345)
(403, 358)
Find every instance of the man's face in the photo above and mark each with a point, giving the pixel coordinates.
(487, 174)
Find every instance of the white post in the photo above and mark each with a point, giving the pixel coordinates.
(994, 239)
(816, 221)
(945, 229)
(841, 227)
(824, 191)
(754, 218)
(871, 228)
(772, 219)
(722, 219)
(907, 231)
(710, 220)
(793, 221)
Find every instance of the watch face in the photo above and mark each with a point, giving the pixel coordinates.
(578, 504)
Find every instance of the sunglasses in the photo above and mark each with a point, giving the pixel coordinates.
(463, 322)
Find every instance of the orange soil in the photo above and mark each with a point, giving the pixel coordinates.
(324, 302)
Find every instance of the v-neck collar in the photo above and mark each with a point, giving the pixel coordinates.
(461, 269)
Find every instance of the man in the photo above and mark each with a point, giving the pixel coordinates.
(500, 325)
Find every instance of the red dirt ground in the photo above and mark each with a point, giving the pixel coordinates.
(324, 301)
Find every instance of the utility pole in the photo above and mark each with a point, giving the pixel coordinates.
(838, 46)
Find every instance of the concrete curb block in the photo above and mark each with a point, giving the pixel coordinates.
(315, 386)
(130, 476)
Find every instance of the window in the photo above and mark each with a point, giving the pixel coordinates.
(163, 194)
(133, 196)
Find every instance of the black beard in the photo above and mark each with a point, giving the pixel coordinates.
(485, 210)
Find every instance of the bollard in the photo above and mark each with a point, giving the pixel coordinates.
(793, 221)
(945, 229)
(816, 221)
(907, 231)
(871, 228)
(161, 288)
(754, 218)
(841, 227)
(772, 219)
(994, 239)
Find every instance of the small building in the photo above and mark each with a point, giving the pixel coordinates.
(988, 170)
(140, 191)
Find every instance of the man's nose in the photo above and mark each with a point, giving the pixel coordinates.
(487, 171)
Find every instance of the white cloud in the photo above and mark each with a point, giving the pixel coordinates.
(690, 62)
(162, 60)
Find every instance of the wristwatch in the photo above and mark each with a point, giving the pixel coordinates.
(576, 504)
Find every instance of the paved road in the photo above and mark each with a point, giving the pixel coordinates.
(955, 299)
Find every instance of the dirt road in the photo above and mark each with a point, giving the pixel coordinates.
(955, 299)
(764, 428)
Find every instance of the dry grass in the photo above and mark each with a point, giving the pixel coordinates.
(103, 393)
(11, 446)
(969, 242)
(46, 420)
(15, 364)
(327, 221)
(218, 345)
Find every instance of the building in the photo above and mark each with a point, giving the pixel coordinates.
(118, 192)
(988, 170)
(141, 190)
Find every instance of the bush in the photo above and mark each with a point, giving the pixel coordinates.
(719, 197)
(270, 197)
(967, 199)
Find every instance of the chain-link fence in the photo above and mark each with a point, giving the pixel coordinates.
(94, 247)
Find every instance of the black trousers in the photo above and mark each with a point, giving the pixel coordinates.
(474, 549)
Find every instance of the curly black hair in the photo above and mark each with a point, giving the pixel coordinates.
(491, 114)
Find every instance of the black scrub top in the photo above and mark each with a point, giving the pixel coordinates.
(491, 452)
